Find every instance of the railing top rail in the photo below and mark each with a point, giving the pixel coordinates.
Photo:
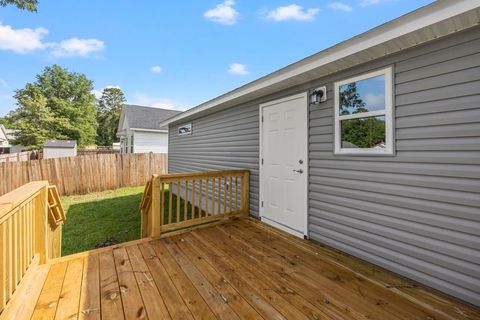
(202, 174)
(14, 198)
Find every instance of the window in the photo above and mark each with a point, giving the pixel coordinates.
(131, 144)
(364, 115)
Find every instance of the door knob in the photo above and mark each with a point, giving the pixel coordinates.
(299, 171)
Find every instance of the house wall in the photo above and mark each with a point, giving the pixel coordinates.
(155, 142)
(416, 213)
(50, 153)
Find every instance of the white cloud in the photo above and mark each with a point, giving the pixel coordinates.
(238, 68)
(4, 84)
(292, 12)
(155, 102)
(156, 69)
(340, 6)
(98, 93)
(366, 3)
(223, 13)
(77, 47)
(21, 40)
(376, 101)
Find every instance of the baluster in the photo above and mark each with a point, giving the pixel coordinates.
(170, 192)
(200, 196)
(224, 195)
(185, 202)
(178, 202)
(162, 204)
(219, 193)
(236, 194)
(206, 197)
(230, 207)
(193, 198)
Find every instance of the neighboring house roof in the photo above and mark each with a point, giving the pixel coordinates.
(60, 144)
(11, 133)
(144, 118)
(431, 22)
(3, 133)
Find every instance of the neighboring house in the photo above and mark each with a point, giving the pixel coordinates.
(6, 138)
(4, 145)
(59, 149)
(139, 129)
(384, 165)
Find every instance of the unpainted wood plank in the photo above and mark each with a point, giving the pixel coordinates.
(4, 294)
(285, 301)
(369, 273)
(313, 304)
(224, 195)
(69, 301)
(217, 302)
(133, 307)
(224, 288)
(178, 202)
(218, 194)
(193, 300)
(173, 300)
(326, 291)
(341, 286)
(47, 303)
(255, 297)
(152, 299)
(185, 202)
(23, 302)
(90, 293)
(193, 198)
(110, 298)
(170, 196)
(200, 197)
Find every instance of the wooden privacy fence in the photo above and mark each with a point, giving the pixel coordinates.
(14, 157)
(176, 202)
(31, 219)
(85, 174)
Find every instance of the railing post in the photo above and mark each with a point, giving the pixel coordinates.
(41, 224)
(246, 193)
(156, 214)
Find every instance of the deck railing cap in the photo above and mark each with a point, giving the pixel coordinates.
(16, 197)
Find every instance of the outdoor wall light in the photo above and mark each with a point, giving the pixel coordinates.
(318, 95)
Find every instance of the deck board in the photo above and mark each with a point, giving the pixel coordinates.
(238, 270)
(90, 293)
(110, 298)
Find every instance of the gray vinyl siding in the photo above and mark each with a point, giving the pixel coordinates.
(220, 141)
(417, 212)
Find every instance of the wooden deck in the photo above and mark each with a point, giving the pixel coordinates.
(239, 270)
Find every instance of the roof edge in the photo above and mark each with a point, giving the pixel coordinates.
(403, 25)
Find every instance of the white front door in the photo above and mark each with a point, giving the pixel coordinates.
(283, 164)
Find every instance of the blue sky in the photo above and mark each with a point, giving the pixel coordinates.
(176, 54)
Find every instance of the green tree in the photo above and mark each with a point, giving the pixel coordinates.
(108, 115)
(350, 100)
(30, 5)
(58, 105)
(363, 132)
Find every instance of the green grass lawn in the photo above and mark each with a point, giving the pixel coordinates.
(110, 217)
(100, 219)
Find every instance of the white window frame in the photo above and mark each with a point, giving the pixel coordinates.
(388, 113)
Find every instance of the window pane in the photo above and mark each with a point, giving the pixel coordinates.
(363, 133)
(362, 96)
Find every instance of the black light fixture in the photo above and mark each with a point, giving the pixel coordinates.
(318, 95)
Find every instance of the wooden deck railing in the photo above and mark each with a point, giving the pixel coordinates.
(31, 219)
(176, 202)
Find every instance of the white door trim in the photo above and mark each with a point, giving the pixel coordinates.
(303, 95)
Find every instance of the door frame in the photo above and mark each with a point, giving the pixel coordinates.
(304, 96)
